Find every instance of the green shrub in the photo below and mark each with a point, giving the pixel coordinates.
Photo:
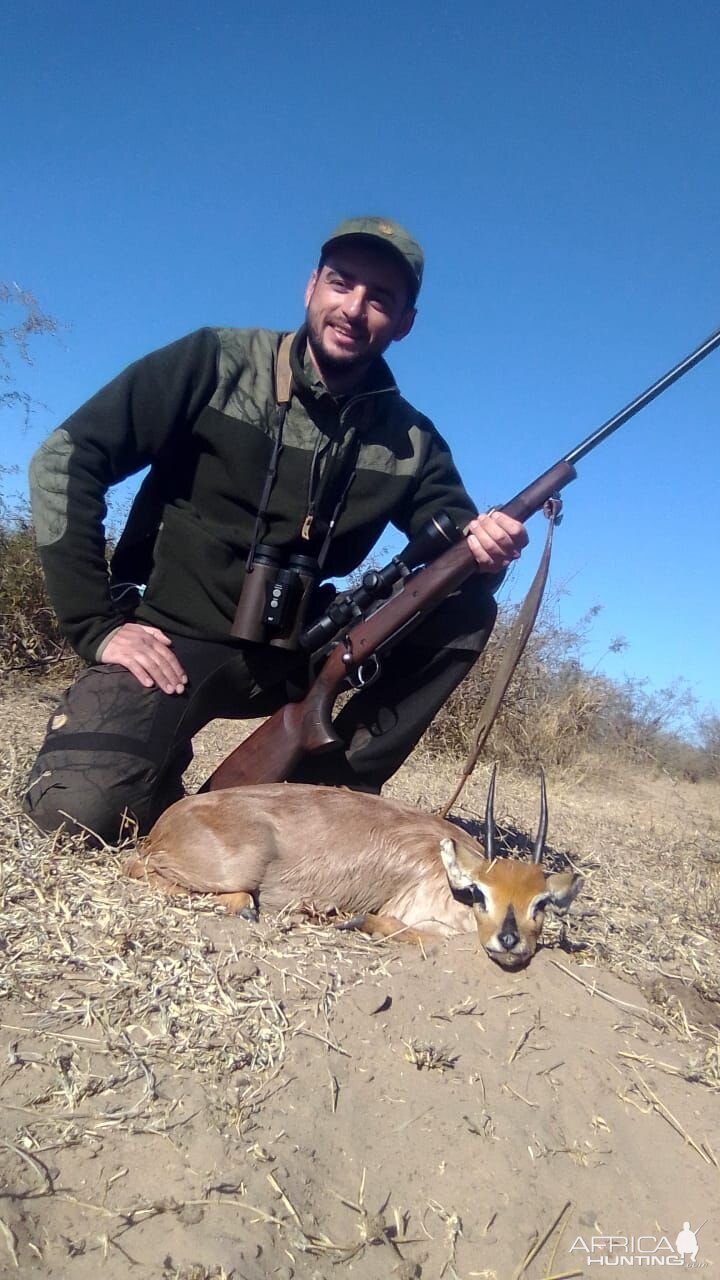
(30, 638)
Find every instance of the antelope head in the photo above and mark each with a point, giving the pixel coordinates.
(509, 898)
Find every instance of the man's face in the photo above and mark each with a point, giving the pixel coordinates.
(356, 305)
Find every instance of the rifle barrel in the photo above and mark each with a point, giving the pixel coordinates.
(639, 403)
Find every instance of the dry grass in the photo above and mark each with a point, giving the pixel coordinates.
(143, 987)
(556, 710)
(144, 972)
(147, 994)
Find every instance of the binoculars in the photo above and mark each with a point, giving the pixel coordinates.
(278, 590)
(275, 598)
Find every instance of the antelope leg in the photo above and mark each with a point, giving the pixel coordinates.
(387, 927)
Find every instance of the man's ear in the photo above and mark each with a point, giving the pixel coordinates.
(404, 324)
(310, 286)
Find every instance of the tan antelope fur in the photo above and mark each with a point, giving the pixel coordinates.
(324, 850)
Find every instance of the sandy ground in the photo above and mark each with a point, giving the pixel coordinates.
(187, 1096)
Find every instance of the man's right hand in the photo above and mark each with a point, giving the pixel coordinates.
(147, 653)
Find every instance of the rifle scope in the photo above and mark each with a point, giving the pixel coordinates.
(436, 535)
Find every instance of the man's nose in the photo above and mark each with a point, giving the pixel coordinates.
(355, 303)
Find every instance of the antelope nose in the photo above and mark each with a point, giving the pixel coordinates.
(508, 935)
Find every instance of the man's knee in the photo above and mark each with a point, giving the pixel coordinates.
(99, 765)
(102, 795)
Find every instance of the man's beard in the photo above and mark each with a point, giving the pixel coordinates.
(326, 362)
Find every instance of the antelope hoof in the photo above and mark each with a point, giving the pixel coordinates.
(239, 904)
(351, 925)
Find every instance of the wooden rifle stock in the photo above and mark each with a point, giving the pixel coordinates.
(300, 728)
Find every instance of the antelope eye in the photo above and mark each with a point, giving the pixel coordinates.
(539, 907)
(479, 898)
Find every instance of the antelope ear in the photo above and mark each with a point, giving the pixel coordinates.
(563, 887)
(456, 865)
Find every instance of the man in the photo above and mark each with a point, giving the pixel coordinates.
(257, 442)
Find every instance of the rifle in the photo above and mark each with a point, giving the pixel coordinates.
(305, 727)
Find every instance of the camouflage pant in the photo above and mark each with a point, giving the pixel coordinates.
(115, 748)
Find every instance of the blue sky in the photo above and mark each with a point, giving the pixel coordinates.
(173, 165)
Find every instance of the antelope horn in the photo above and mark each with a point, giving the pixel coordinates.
(539, 846)
(490, 849)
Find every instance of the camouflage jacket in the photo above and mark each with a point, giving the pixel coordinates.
(202, 414)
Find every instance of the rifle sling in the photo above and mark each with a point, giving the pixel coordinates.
(283, 372)
(283, 395)
(518, 636)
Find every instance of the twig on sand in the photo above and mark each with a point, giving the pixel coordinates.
(595, 990)
(34, 1163)
(315, 1035)
(539, 1245)
(373, 1228)
(658, 1105)
(10, 1242)
(524, 1037)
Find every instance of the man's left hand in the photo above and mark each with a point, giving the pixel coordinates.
(496, 540)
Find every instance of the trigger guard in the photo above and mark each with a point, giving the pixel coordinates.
(367, 673)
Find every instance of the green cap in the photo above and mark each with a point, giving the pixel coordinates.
(392, 236)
